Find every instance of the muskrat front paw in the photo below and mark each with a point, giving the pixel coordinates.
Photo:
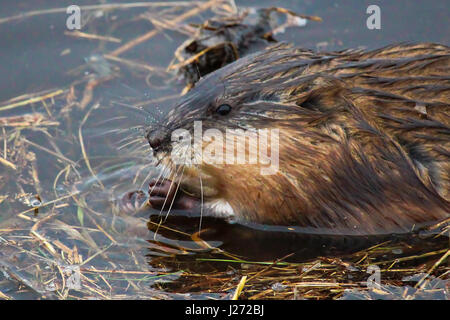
(165, 194)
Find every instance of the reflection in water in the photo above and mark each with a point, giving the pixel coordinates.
(221, 252)
(433, 289)
(265, 243)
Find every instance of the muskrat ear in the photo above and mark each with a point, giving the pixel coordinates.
(322, 94)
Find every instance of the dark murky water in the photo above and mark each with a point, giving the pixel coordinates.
(31, 48)
(36, 54)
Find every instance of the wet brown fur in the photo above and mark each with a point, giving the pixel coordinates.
(364, 136)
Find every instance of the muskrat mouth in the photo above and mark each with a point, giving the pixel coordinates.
(198, 183)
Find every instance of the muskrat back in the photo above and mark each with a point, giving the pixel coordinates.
(364, 139)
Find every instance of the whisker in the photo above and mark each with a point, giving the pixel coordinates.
(142, 168)
(133, 107)
(134, 90)
(157, 179)
(168, 192)
(111, 119)
(176, 190)
(118, 131)
(131, 137)
(161, 219)
(142, 152)
(151, 117)
(137, 140)
(201, 204)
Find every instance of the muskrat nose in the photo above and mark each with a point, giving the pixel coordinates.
(156, 138)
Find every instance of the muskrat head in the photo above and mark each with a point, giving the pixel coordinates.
(222, 139)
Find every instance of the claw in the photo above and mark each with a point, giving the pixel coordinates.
(166, 193)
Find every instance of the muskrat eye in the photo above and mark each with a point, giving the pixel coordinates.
(223, 109)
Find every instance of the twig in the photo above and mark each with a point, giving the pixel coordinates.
(134, 64)
(60, 156)
(8, 163)
(154, 32)
(421, 283)
(239, 288)
(79, 34)
(83, 150)
(32, 100)
(108, 6)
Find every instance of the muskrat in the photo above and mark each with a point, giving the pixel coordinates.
(364, 140)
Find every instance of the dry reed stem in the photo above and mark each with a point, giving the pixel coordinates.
(109, 6)
(32, 100)
(84, 35)
(131, 44)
